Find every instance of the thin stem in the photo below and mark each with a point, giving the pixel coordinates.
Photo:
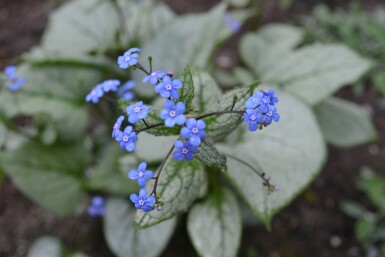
(145, 123)
(266, 181)
(198, 118)
(140, 67)
(150, 127)
(109, 99)
(160, 171)
(150, 62)
(219, 113)
(235, 98)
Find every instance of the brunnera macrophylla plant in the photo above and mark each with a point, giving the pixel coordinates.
(178, 116)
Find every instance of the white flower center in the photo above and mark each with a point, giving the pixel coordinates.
(168, 87)
(172, 113)
(195, 130)
(253, 117)
(138, 109)
(127, 58)
(141, 202)
(184, 150)
(140, 174)
(125, 138)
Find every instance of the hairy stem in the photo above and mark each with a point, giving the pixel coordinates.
(160, 171)
(266, 181)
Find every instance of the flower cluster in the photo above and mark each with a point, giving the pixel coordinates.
(260, 110)
(98, 91)
(111, 85)
(192, 130)
(96, 207)
(142, 201)
(14, 82)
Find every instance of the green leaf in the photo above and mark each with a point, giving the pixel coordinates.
(364, 229)
(174, 47)
(209, 155)
(124, 240)
(291, 152)
(55, 91)
(264, 49)
(79, 30)
(207, 90)
(374, 187)
(180, 184)
(49, 175)
(313, 72)
(45, 246)
(151, 148)
(354, 210)
(145, 19)
(108, 176)
(343, 123)
(187, 91)
(226, 78)
(243, 75)
(219, 126)
(153, 118)
(214, 226)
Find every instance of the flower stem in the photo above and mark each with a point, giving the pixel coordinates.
(160, 171)
(198, 118)
(140, 67)
(262, 175)
(145, 123)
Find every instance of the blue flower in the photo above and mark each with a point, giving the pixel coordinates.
(97, 206)
(124, 90)
(260, 109)
(95, 94)
(141, 174)
(169, 87)
(127, 139)
(267, 100)
(110, 85)
(154, 77)
(173, 113)
(194, 130)
(143, 201)
(184, 150)
(14, 81)
(129, 58)
(253, 118)
(270, 116)
(234, 25)
(137, 112)
(10, 72)
(254, 101)
(116, 127)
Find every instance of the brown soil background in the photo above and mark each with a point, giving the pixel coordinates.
(307, 227)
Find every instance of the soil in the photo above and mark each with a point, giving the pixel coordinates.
(312, 225)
